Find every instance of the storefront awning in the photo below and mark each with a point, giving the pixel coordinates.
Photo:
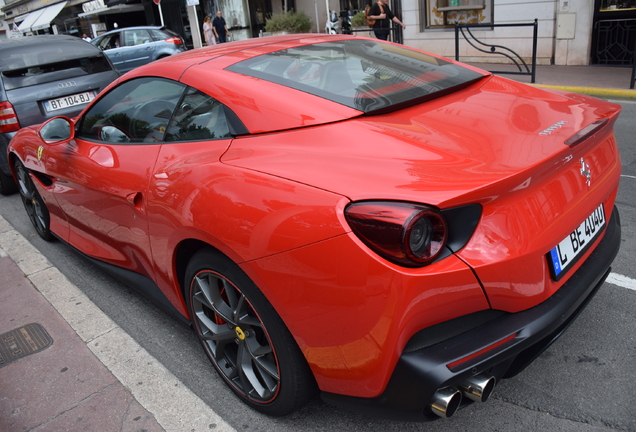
(41, 18)
(25, 25)
(120, 8)
(49, 14)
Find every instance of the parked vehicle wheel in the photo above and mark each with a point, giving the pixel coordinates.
(245, 338)
(33, 202)
(7, 185)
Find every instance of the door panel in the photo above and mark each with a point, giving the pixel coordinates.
(103, 196)
(139, 48)
(102, 175)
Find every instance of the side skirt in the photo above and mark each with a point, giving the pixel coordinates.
(143, 285)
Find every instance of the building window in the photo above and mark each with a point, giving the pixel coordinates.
(446, 13)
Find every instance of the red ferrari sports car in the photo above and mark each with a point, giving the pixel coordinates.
(337, 214)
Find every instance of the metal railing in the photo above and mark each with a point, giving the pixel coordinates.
(615, 42)
(512, 56)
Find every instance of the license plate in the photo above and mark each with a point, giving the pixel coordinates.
(69, 101)
(567, 252)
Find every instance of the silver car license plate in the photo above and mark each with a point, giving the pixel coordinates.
(69, 101)
(567, 252)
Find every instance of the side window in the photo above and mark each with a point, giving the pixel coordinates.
(109, 42)
(136, 111)
(159, 35)
(198, 117)
(136, 37)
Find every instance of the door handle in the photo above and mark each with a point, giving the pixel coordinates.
(136, 200)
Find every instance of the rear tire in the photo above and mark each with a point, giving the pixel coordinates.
(33, 202)
(7, 184)
(243, 336)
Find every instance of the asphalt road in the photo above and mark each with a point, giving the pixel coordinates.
(586, 381)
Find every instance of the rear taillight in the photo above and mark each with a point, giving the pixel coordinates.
(8, 119)
(407, 234)
(174, 40)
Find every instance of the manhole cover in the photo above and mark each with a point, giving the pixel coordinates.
(23, 341)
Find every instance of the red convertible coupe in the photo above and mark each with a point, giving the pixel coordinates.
(337, 214)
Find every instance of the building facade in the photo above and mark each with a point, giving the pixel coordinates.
(579, 32)
(570, 32)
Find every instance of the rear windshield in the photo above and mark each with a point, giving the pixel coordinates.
(366, 75)
(46, 72)
(36, 60)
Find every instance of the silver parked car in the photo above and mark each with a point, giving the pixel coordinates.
(130, 47)
(43, 77)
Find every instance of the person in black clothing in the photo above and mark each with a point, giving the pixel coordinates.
(220, 28)
(383, 16)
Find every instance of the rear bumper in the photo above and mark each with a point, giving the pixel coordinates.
(419, 374)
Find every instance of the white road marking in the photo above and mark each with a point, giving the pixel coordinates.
(622, 281)
(628, 176)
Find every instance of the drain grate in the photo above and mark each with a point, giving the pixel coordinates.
(23, 341)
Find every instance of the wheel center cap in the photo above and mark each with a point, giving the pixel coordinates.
(239, 333)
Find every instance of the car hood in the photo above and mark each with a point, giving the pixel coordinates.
(437, 152)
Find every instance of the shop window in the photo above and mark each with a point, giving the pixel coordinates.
(446, 13)
(613, 5)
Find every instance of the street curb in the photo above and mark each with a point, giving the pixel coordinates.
(603, 93)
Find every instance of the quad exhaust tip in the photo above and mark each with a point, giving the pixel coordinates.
(447, 401)
(478, 388)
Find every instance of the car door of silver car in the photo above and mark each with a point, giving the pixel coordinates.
(111, 44)
(138, 48)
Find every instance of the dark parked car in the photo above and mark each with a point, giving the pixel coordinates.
(43, 77)
(135, 46)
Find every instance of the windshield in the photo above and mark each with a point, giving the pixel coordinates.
(366, 75)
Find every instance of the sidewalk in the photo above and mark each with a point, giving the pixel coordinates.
(65, 366)
(598, 81)
(49, 379)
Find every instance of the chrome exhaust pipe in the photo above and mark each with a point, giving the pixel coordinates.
(446, 401)
(478, 388)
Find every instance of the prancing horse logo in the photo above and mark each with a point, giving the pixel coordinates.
(586, 172)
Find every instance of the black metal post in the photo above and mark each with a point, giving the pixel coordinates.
(534, 51)
(456, 42)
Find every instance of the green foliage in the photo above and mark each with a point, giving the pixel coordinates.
(291, 22)
(358, 20)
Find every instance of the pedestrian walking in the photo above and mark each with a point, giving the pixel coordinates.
(208, 32)
(383, 16)
(220, 27)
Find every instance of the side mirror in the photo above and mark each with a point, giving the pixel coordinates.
(57, 130)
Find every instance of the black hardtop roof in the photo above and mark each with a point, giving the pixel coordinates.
(47, 48)
(27, 41)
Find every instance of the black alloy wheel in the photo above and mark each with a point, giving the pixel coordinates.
(33, 202)
(244, 337)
